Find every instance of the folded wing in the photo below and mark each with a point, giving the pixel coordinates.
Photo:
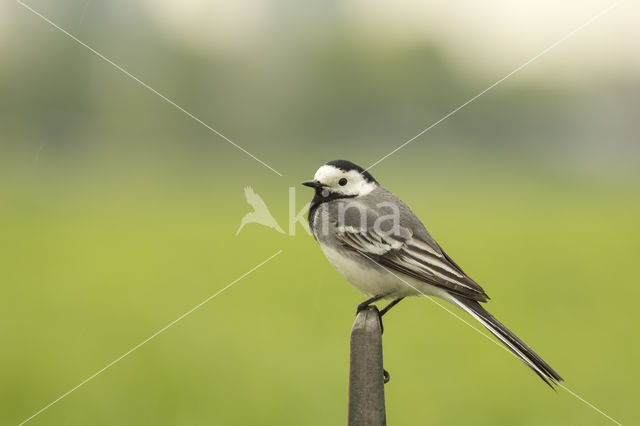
(403, 252)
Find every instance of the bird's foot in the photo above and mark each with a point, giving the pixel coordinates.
(363, 306)
(368, 302)
(386, 376)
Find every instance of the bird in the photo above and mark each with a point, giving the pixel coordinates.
(379, 245)
(260, 213)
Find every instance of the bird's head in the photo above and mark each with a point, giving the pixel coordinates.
(342, 178)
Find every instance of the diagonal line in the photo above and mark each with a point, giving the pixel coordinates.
(145, 85)
(149, 338)
(545, 51)
(489, 338)
(588, 403)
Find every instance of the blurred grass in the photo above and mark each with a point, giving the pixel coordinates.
(92, 267)
(118, 214)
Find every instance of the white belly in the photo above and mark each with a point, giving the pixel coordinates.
(372, 279)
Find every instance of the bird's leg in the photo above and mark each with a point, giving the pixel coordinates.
(390, 305)
(366, 303)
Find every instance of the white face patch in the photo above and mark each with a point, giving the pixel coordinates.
(330, 177)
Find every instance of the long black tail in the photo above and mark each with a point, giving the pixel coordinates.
(510, 340)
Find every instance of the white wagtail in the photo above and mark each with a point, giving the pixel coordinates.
(380, 246)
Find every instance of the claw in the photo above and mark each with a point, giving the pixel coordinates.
(362, 307)
(380, 320)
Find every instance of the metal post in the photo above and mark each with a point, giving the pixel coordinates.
(366, 375)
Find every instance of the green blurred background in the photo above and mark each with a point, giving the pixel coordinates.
(118, 213)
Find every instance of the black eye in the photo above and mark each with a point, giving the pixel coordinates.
(342, 182)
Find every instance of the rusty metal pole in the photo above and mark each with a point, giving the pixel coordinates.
(366, 375)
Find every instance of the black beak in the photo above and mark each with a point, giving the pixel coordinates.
(312, 184)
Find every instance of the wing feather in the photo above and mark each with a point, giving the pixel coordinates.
(414, 257)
